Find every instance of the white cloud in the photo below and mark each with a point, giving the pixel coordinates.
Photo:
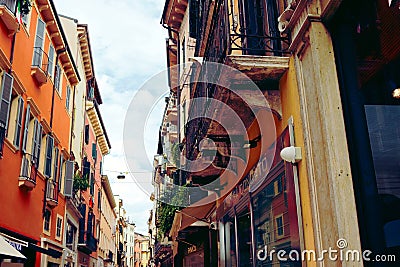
(128, 47)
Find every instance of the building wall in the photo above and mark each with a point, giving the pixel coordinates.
(30, 204)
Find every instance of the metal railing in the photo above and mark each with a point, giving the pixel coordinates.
(10, 4)
(230, 28)
(28, 168)
(40, 59)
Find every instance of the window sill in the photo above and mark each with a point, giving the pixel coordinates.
(11, 146)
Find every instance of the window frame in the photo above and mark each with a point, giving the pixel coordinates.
(59, 228)
(47, 221)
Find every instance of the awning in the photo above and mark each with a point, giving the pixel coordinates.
(194, 215)
(6, 250)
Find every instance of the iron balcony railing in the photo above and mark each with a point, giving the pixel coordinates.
(91, 242)
(52, 190)
(239, 25)
(10, 4)
(28, 168)
(40, 59)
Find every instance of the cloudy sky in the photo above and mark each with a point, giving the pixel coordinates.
(128, 46)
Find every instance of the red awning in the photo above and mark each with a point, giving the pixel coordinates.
(194, 215)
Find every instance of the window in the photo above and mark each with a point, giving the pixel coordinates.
(57, 79)
(59, 227)
(67, 97)
(49, 156)
(26, 19)
(94, 151)
(26, 127)
(87, 134)
(278, 186)
(50, 67)
(18, 122)
(36, 142)
(92, 183)
(60, 174)
(56, 157)
(279, 226)
(99, 200)
(39, 40)
(70, 236)
(46, 221)
(6, 90)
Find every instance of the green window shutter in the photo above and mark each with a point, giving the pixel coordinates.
(55, 170)
(69, 178)
(49, 156)
(6, 90)
(26, 128)
(18, 122)
(60, 172)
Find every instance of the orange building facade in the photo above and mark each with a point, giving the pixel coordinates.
(39, 80)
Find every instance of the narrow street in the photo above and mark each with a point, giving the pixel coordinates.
(191, 133)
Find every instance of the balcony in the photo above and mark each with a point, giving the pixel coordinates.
(87, 243)
(231, 33)
(7, 15)
(110, 257)
(52, 193)
(39, 70)
(27, 177)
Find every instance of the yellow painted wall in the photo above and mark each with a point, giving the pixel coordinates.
(291, 107)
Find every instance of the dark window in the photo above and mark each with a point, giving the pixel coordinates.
(279, 226)
(59, 227)
(194, 18)
(70, 236)
(92, 181)
(94, 151)
(47, 218)
(87, 134)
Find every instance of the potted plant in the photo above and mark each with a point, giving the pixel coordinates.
(80, 182)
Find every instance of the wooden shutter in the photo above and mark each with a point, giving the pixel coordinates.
(6, 89)
(56, 157)
(26, 128)
(69, 178)
(18, 122)
(60, 172)
(49, 155)
(67, 98)
(37, 141)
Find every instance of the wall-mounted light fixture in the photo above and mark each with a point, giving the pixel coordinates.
(291, 154)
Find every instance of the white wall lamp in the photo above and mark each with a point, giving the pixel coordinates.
(291, 154)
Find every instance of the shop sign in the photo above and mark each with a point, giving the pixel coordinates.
(191, 249)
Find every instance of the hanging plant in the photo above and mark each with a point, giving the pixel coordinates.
(25, 6)
(80, 183)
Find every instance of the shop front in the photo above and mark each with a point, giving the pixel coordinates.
(261, 215)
